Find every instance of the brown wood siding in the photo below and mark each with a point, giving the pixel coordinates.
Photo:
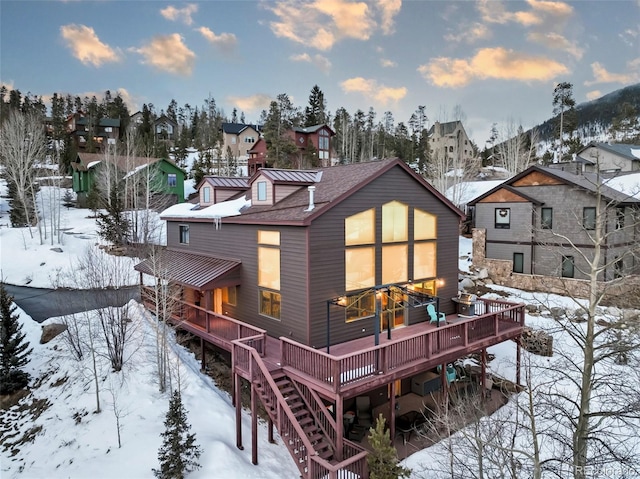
(240, 242)
(503, 196)
(327, 254)
(537, 178)
(282, 191)
(220, 195)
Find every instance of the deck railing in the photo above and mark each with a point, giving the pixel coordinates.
(223, 328)
(339, 372)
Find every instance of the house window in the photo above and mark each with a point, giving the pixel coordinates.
(424, 260)
(360, 268)
(269, 273)
(206, 194)
(394, 263)
(518, 262)
(618, 267)
(270, 304)
(426, 287)
(108, 129)
(262, 190)
(620, 211)
(546, 218)
(230, 295)
(361, 305)
(568, 267)
(360, 228)
(589, 218)
(172, 180)
(323, 143)
(394, 222)
(184, 234)
(503, 218)
(451, 149)
(424, 225)
(233, 140)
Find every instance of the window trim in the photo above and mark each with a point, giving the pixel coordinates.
(272, 294)
(502, 225)
(183, 231)
(172, 180)
(521, 256)
(591, 225)
(546, 225)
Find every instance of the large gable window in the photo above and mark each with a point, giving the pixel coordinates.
(360, 268)
(424, 225)
(394, 264)
(360, 228)
(395, 222)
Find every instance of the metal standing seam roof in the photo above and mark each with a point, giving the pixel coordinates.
(228, 182)
(189, 269)
(291, 176)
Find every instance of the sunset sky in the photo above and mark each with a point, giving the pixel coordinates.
(495, 60)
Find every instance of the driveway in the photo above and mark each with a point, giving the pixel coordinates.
(42, 304)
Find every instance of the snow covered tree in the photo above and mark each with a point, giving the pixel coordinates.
(383, 461)
(14, 350)
(179, 452)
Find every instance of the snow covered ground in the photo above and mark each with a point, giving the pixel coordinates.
(69, 440)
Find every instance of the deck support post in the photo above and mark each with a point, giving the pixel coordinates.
(518, 360)
(444, 383)
(270, 430)
(203, 366)
(340, 427)
(392, 426)
(238, 404)
(483, 372)
(254, 427)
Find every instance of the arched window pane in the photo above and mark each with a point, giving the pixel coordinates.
(360, 228)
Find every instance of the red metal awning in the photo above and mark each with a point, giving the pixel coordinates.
(193, 270)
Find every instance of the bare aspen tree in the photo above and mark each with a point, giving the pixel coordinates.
(600, 425)
(22, 144)
(163, 295)
(515, 150)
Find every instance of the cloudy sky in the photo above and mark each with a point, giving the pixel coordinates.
(496, 60)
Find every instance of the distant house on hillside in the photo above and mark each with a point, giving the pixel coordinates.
(313, 149)
(450, 140)
(165, 129)
(237, 140)
(530, 221)
(607, 158)
(166, 178)
(88, 134)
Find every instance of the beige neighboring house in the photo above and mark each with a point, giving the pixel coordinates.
(239, 139)
(611, 157)
(450, 139)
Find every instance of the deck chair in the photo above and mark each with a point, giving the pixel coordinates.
(363, 411)
(435, 316)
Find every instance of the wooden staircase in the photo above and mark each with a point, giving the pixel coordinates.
(301, 418)
(320, 441)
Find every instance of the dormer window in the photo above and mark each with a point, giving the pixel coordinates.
(262, 191)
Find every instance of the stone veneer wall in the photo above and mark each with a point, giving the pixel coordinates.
(501, 272)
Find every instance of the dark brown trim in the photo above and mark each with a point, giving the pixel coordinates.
(564, 245)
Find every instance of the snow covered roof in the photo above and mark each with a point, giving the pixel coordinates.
(219, 210)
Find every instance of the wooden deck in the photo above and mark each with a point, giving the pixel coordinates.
(355, 367)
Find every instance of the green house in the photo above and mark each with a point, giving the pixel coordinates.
(162, 176)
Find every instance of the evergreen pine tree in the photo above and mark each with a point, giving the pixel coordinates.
(383, 461)
(179, 452)
(113, 225)
(14, 350)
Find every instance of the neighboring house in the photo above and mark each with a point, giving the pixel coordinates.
(165, 129)
(216, 189)
(317, 282)
(168, 179)
(450, 140)
(313, 148)
(106, 132)
(609, 157)
(238, 139)
(533, 218)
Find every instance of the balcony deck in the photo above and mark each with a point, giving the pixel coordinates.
(357, 366)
